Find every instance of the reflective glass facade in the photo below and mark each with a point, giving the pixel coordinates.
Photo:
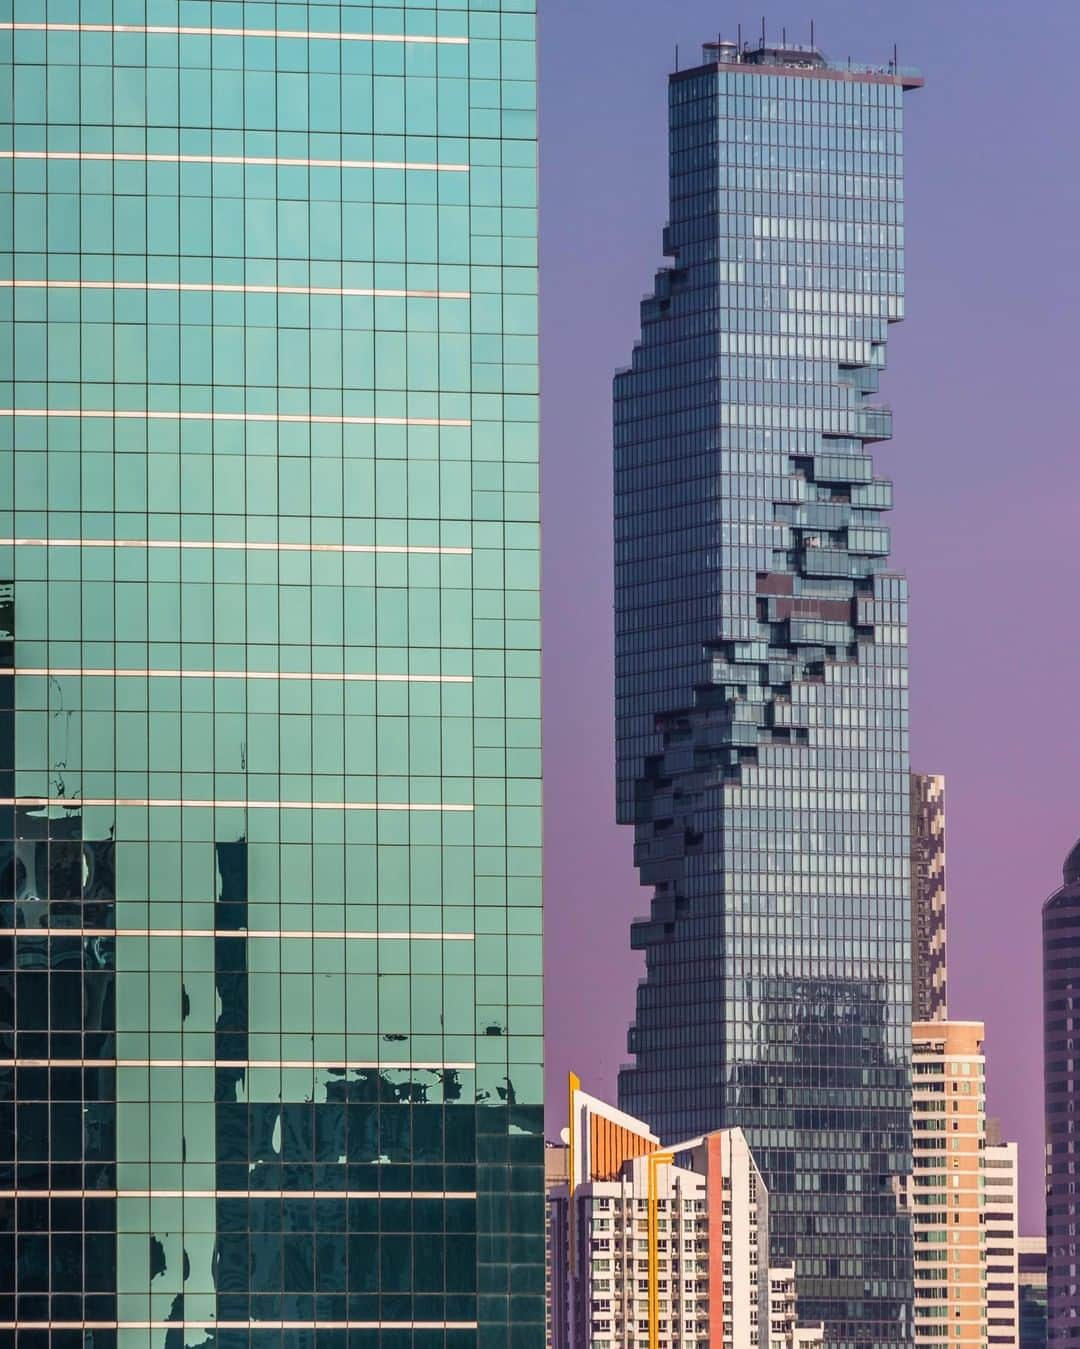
(270, 1009)
(761, 666)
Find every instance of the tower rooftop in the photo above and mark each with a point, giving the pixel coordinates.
(1071, 869)
(797, 58)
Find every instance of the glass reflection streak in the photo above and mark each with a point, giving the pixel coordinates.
(270, 1022)
(761, 675)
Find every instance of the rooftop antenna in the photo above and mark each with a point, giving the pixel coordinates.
(895, 59)
(763, 30)
(740, 41)
(676, 58)
(812, 42)
(783, 38)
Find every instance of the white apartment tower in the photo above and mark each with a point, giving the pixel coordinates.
(1002, 1237)
(661, 1247)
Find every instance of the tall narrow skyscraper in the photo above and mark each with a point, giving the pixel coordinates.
(929, 953)
(270, 1023)
(761, 665)
(1061, 1067)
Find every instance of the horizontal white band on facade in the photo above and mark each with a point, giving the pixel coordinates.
(307, 418)
(210, 803)
(222, 287)
(241, 934)
(189, 30)
(237, 1194)
(337, 1065)
(238, 1325)
(78, 672)
(238, 546)
(255, 161)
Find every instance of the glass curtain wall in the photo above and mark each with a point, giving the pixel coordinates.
(761, 666)
(270, 1007)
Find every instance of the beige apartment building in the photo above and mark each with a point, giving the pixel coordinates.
(946, 1191)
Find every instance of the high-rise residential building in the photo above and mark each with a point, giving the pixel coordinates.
(761, 664)
(1032, 1278)
(664, 1246)
(1061, 1067)
(946, 1187)
(1001, 1213)
(269, 741)
(929, 967)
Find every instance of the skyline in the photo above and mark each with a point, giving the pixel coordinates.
(955, 462)
(274, 675)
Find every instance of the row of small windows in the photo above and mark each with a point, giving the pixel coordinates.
(745, 93)
(774, 193)
(865, 138)
(812, 171)
(758, 313)
(825, 173)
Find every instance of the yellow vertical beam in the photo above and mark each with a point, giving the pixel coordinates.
(571, 1181)
(656, 1160)
(575, 1087)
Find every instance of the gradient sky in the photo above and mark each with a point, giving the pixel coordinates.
(984, 381)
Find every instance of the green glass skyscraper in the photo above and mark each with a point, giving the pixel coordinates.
(270, 1008)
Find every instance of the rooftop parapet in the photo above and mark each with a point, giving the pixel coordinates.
(804, 59)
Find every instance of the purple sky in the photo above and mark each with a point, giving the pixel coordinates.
(984, 382)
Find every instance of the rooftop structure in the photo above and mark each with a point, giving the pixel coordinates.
(795, 57)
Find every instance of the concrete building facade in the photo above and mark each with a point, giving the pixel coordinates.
(929, 964)
(1000, 1192)
(946, 1192)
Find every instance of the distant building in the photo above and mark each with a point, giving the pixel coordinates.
(929, 967)
(665, 1246)
(1000, 1161)
(1061, 1063)
(1032, 1279)
(949, 1137)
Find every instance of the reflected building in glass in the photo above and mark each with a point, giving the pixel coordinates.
(761, 665)
(270, 1009)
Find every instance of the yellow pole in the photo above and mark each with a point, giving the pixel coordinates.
(575, 1087)
(656, 1160)
(571, 1215)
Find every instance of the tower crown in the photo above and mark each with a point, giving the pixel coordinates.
(1071, 869)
